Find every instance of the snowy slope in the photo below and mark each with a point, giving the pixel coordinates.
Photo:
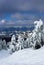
(23, 57)
(4, 54)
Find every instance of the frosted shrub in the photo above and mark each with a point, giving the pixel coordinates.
(13, 40)
(4, 46)
(21, 41)
(29, 39)
(12, 44)
(11, 49)
(43, 37)
(1, 44)
(8, 44)
(18, 47)
(0, 47)
(27, 43)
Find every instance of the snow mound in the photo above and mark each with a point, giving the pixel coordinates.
(4, 54)
(24, 57)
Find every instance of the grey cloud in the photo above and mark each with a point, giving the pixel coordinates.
(16, 6)
(24, 19)
(24, 16)
(21, 5)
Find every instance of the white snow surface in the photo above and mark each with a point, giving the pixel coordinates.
(23, 57)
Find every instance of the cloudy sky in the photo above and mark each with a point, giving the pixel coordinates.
(21, 12)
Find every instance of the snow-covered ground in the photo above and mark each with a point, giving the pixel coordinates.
(23, 57)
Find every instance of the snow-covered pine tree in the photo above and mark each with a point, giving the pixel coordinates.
(37, 32)
(12, 45)
(20, 44)
(27, 42)
(13, 40)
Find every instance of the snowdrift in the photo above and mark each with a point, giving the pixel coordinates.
(24, 57)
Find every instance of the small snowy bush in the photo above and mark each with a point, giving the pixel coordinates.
(18, 47)
(1, 44)
(11, 49)
(21, 41)
(4, 46)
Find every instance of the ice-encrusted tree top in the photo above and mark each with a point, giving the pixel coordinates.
(38, 25)
(13, 38)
